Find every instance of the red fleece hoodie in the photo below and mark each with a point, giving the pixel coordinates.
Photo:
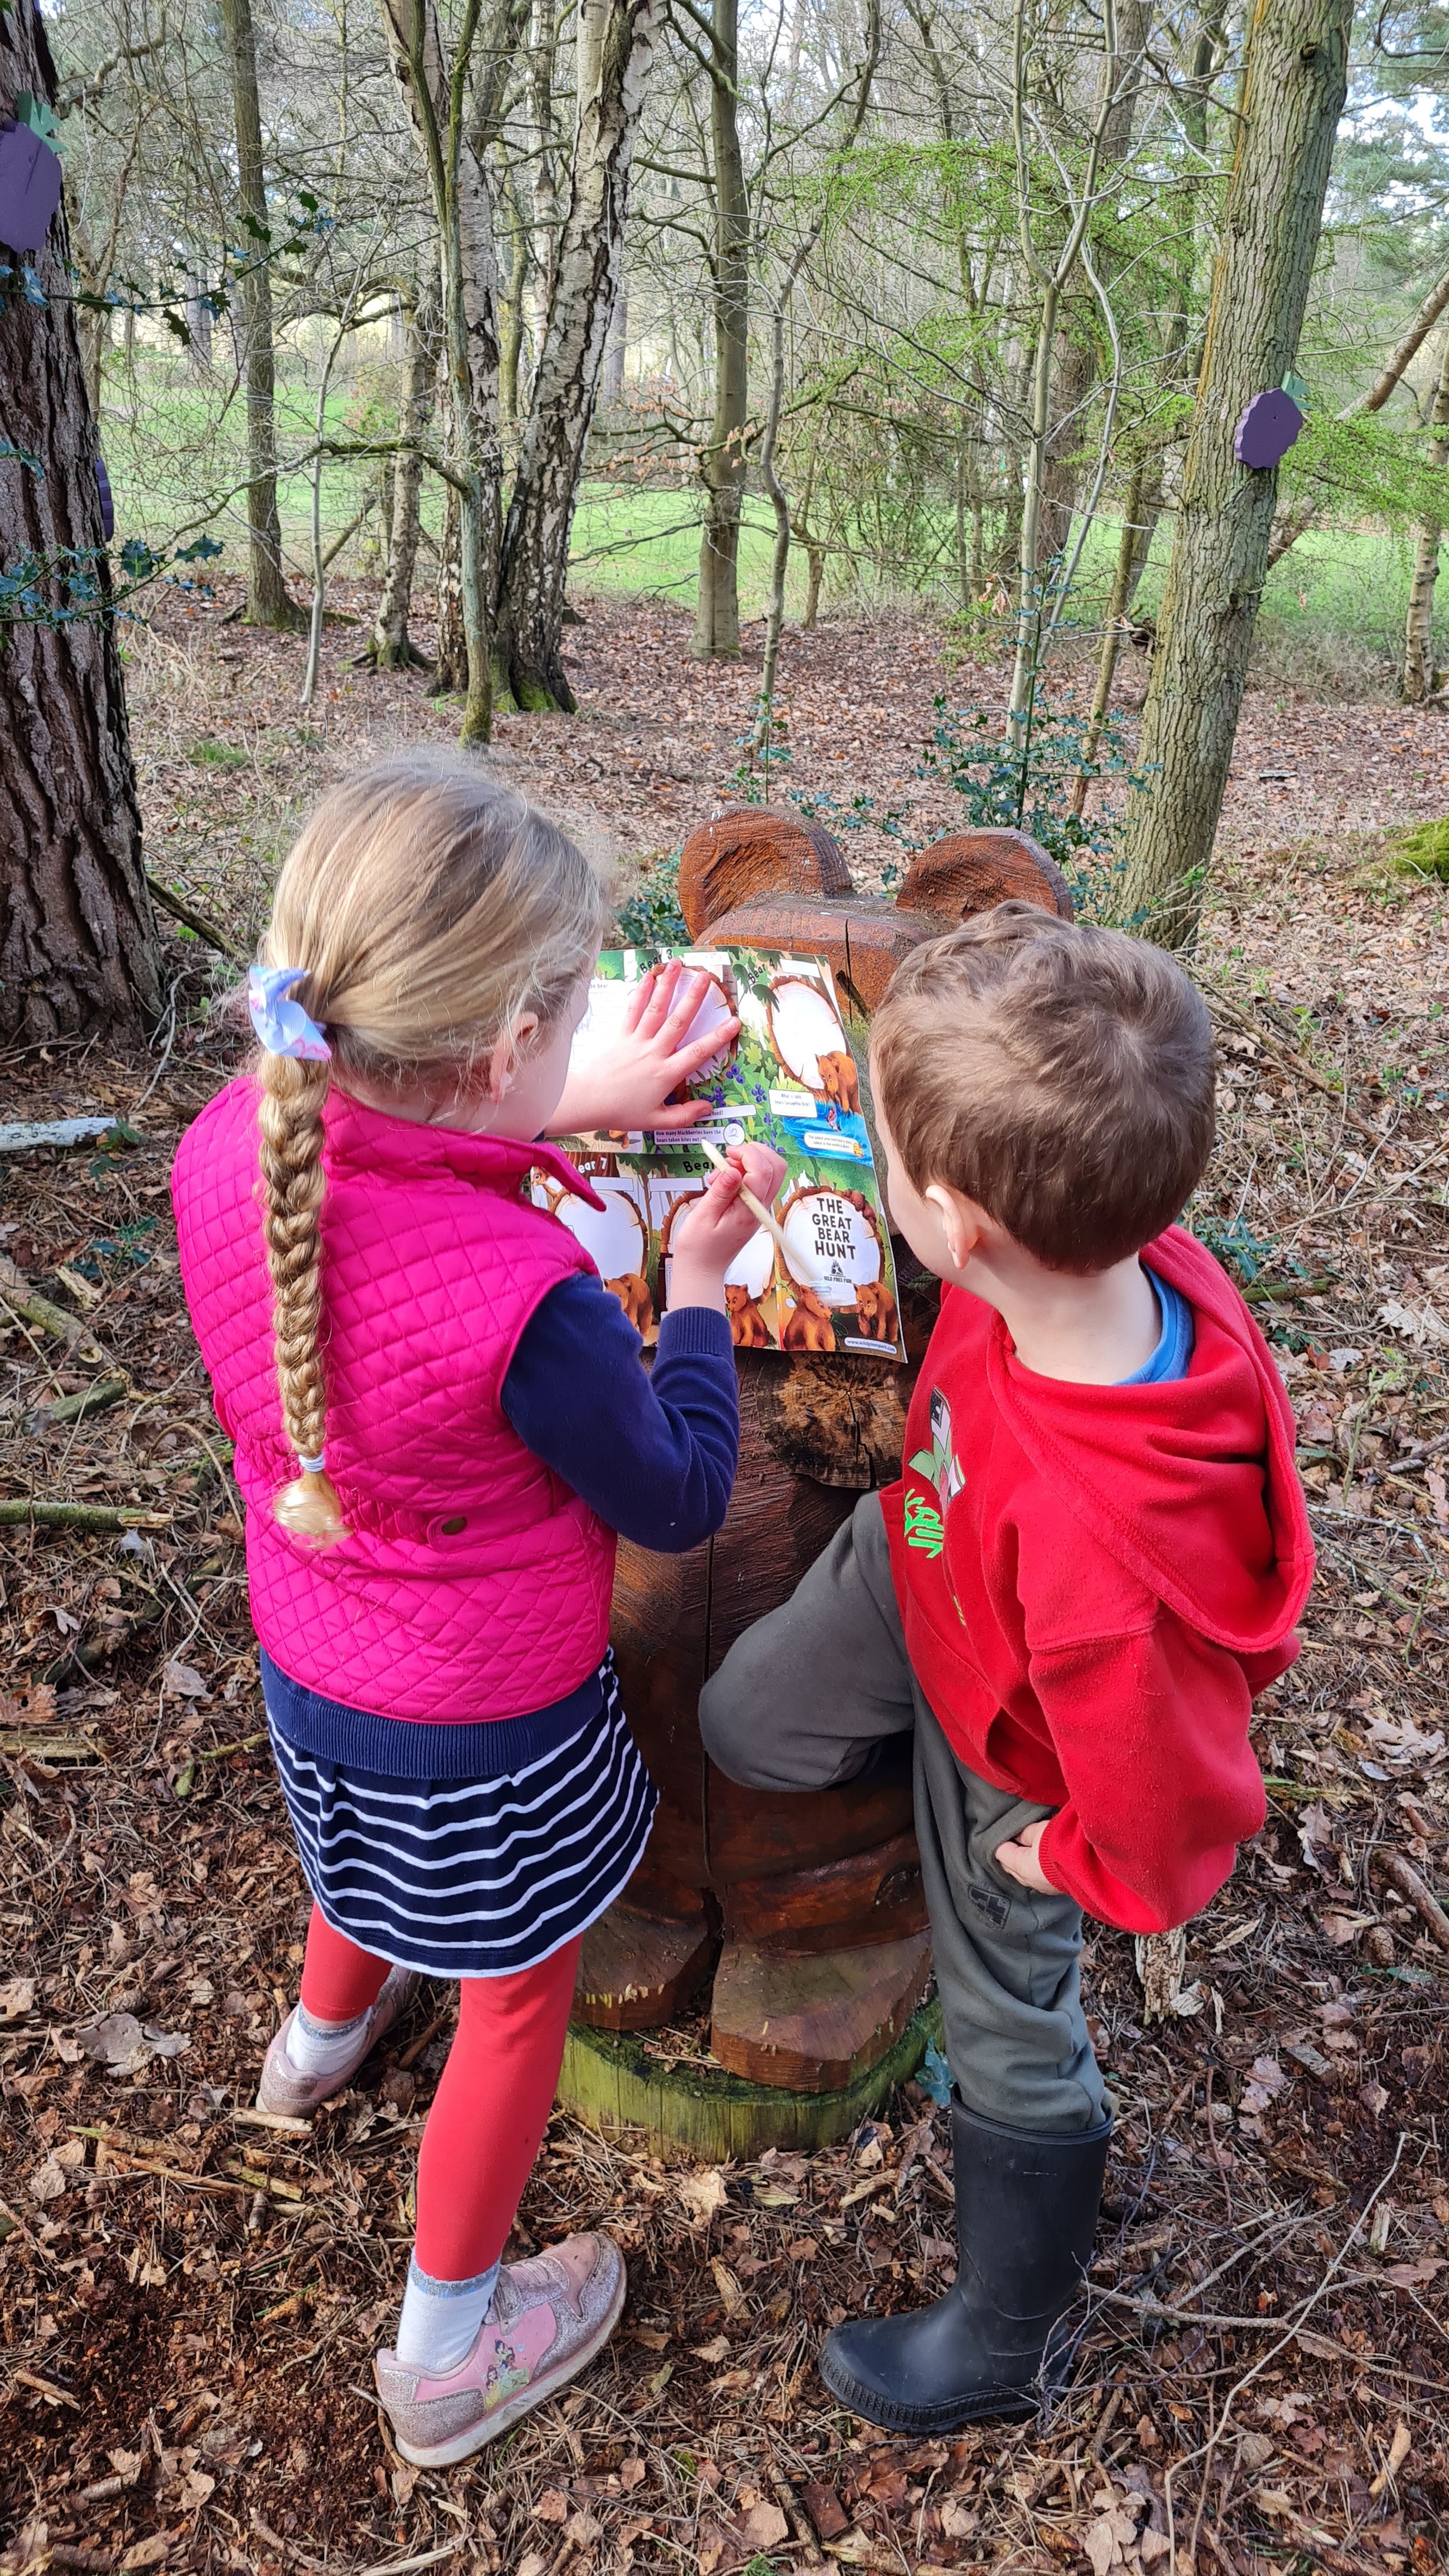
(1096, 1582)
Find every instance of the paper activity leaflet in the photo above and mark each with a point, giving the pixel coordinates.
(788, 1080)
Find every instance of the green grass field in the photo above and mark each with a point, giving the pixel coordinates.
(1332, 614)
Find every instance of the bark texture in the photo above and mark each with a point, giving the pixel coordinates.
(1420, 677)
(1294, 84)
(717, 617)
(392, 646)
(268, 601)
(618, 60)
(453, 160)
(77, 936)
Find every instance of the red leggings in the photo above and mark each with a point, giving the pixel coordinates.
(492, 2104)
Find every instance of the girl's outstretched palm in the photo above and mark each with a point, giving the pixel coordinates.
(628, 1084)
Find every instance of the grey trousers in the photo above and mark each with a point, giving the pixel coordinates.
(800, 1702)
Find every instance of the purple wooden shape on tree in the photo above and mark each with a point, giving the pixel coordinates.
(1267, 429)
(29, 187)
(108, 506)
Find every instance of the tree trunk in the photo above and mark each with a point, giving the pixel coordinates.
(450, 666)
(268, 602)
(510, 308)
(617, 347)
(543, 149)
(1139, 518)
(93, 326)
(566, 381)
(1419, 675)
(77, 936)
(392, 646)
(717, 617)
(1294, 83)
(1078, 348)
(433, 86)
(199, 324)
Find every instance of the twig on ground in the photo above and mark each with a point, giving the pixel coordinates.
(1402, 1874)
(79, 1516)
(200, 924)
(17, 1293)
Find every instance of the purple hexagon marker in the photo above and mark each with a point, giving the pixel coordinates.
(1267, 429)
(29, 187)
(108, 506)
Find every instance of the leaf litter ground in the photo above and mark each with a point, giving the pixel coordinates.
(191, 2299)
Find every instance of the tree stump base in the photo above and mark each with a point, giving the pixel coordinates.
(637, 1971)
(815, 2022)
(613, 2081)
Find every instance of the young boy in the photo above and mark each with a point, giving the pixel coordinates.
(1090, 1566)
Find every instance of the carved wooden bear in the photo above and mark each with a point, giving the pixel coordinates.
(805, 1911)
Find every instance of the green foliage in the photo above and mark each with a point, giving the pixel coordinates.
(1375, 466)
(1231, 1242)
(1425, 851)
(211, 754)
(650, 917)
(1026, 790)
(59, 585)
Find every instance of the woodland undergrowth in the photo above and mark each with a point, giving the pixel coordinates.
(190, 2300)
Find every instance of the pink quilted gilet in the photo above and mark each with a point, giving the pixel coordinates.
(473, 1583)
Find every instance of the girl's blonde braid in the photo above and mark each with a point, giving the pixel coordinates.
(422, 911)
(293, 1093)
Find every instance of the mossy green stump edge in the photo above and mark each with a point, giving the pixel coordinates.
(611, 2081)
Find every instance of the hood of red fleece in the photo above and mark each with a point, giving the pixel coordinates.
(1191, 1485)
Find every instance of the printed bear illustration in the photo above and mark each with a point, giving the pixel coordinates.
(875, 1310)
(748, 1329)
(632, 1291)
(839, 1081)
(809, 1327)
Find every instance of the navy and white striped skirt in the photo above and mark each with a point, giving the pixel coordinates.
(474, 1878)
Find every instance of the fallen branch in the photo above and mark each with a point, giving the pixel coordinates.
(17, 1293)
(1402, 1874)
(1282, 1292)
(30, 1133)
(1290, 1061)
(94, 1398)
(79, 1516)
(200, 924)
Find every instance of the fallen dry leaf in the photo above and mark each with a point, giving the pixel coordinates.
(764, 2526)
(702, 2195)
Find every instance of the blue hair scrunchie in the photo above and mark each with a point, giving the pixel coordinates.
(282, 1026)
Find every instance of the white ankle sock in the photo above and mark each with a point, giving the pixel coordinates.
(440, 2320)
(322, 2047)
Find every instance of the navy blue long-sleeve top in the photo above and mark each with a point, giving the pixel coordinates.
(653, 1453)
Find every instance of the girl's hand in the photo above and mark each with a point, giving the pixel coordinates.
(719, 1225)
(627, 1085)
(1018, 1859)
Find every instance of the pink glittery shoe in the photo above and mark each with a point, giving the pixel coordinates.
(549, 2318)
(285, 2090)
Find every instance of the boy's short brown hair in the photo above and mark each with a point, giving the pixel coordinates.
(1060, 1076)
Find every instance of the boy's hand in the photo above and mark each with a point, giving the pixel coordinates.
(627, 1084)
(719, 1225)
(1018, 1859)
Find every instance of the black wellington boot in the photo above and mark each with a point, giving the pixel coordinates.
(1026, 2214)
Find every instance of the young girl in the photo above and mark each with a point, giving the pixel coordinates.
(441, 1420)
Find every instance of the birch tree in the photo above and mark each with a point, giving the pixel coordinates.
(615, 56)
(1420, 679)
